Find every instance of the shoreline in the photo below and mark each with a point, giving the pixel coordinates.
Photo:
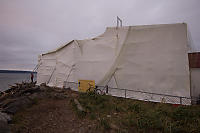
(16, 71)
(8, 79)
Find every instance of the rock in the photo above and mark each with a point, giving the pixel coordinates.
(4, 117)
(78, 105)
(5, 96)
(81, 130)
(4, 127)
(68, 88)
(9, 90)
(43, 86)
(36, 87)
(18, 104)
(6, 102)
(59, 96)
(27, 94)
(23, 86)
(1, 93)
(34, 96)
(58, 90)
(113, 126)
(109, 116)
(31, 90)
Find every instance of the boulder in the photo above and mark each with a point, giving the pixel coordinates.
(6, 102)
(5, 96)
(44, 88)
(4, 127)
(78, 105)
(17, 105)
(36, 96)
(31, 90)
(9, 90)
(1, 93)
(4, 117)
(58, 90)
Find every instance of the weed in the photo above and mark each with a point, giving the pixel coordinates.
(16, 118)
(92, 116)
(143, 116)
(135, 107)
(79, 113)
(105, 124)
(143, 123)
(119, 108)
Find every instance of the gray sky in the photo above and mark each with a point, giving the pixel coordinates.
(31, 27)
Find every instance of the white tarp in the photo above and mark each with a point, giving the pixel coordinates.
(151, 58)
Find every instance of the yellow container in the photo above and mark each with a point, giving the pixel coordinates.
(86, 85)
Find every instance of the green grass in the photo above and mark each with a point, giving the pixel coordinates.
(138, 116)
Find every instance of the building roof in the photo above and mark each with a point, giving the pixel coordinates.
(194, 59)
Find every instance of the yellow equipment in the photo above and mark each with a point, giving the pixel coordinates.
(86, 85)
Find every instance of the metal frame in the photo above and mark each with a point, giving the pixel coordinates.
(119, 21)
(180, 99)
(51, 75)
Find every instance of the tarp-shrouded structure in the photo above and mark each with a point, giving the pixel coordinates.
(150, 58)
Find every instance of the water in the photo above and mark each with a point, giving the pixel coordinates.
(7, 79)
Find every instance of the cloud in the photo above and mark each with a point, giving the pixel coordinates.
(29, 28)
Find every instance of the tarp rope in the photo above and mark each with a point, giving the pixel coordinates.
(51, 75)
(113, 68)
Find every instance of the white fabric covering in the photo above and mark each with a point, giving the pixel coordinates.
(151, 58)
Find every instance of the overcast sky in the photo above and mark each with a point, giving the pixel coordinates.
(31, 27)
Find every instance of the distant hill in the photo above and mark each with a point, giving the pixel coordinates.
(15, 71)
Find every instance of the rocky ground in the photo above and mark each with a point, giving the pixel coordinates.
(27, 107)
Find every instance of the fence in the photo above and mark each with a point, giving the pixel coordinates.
(140, 95)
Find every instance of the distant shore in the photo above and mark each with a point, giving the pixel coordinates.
(15, 71)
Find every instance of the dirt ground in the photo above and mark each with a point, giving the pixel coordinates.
(51, 116)
(52, 110)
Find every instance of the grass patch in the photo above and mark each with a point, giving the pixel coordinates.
(105, 124)
(139, 116)
(79, 113)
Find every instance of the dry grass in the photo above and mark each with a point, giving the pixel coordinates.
(126, 115)
(106, 114)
